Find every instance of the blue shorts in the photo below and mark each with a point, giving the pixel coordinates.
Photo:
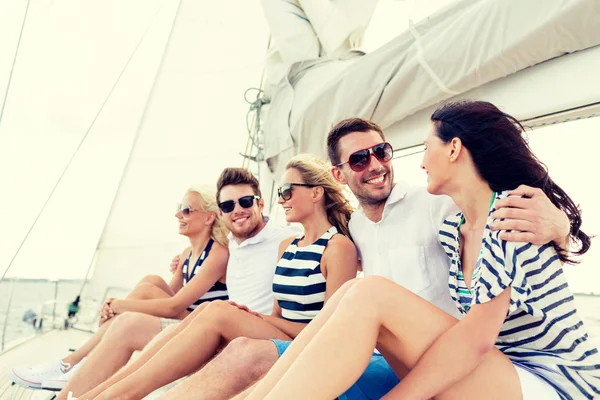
(378, 379)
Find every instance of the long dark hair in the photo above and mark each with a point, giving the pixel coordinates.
(503, 157)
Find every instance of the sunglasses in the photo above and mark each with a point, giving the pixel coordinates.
(285, 191)
(185, 210)
(228, 206)
(360, 160)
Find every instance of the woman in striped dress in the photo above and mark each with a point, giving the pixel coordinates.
(311, 268)
(152, 304)
(200, 274)
(520, 336)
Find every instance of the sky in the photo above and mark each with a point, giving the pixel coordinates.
(61, 78)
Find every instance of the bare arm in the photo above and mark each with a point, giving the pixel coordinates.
(468, 341)
(177, 279)
(339, 263)
(532, 218)
(212, 270)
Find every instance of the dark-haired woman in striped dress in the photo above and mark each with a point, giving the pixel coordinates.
(520, 336)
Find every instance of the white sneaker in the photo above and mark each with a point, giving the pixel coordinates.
(32, 378)
(58, 383)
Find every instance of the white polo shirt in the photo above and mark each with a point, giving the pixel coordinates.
(404, 245)
(251, 267)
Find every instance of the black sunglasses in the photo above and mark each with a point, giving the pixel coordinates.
(360, 160)
(285, 191)
(228, 206)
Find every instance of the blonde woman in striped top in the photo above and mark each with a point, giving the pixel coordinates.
(129, 324)
(520, 336)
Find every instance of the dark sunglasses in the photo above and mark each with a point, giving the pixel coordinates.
(228, 206)
(285, 191)
(360, 160)
(185, 210)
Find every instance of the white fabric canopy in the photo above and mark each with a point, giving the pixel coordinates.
(461, 48)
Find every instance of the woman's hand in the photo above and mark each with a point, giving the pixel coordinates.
(244, 308)
(106, 312)
(174, 264)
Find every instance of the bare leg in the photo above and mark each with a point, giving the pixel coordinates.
(218, 323)
(242, 363)
(378, 312)
(129, 332)
(145, 289)
(121, 336)
(159, 282)
(75, 357)
(246, 392)
(146, 355)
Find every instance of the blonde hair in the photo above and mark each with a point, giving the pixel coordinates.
(208, 202)
(315, 171)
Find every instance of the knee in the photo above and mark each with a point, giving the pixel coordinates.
(365, 291)
(252, 357)
(348, 284)
(126, 324)
(130, 329)
(154, 280)
(144, 291)
(216, 312)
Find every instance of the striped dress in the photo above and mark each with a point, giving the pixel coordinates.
(542, 331)
(299, 286)
(217, 292)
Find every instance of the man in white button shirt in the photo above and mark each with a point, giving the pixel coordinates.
(395, 229)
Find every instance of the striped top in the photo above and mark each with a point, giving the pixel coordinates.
(217, 292)
(542, 331)
(299, 286)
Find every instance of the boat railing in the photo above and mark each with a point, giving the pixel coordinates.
(46, 316)
(7, 314)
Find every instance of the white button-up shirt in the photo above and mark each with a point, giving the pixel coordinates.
(251, 267)
(404, 246)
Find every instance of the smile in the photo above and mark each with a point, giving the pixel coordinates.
(376, 180)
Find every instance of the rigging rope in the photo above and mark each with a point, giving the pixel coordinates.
(14, 62)
(81, 142)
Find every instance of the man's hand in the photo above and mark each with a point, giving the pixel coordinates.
(244, 308)
(532, 218)
(174, 264)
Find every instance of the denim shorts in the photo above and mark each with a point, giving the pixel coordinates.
(378, 378)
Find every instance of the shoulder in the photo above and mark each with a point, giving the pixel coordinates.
(285, 243)
(339, 245)
(356, 219)
(219, 253)
(184, 254)
(219, 249)
(518, 254)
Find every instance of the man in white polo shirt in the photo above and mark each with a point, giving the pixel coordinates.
(396, 231)
(253, 241)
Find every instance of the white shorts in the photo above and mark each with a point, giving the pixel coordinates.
(533, 387)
